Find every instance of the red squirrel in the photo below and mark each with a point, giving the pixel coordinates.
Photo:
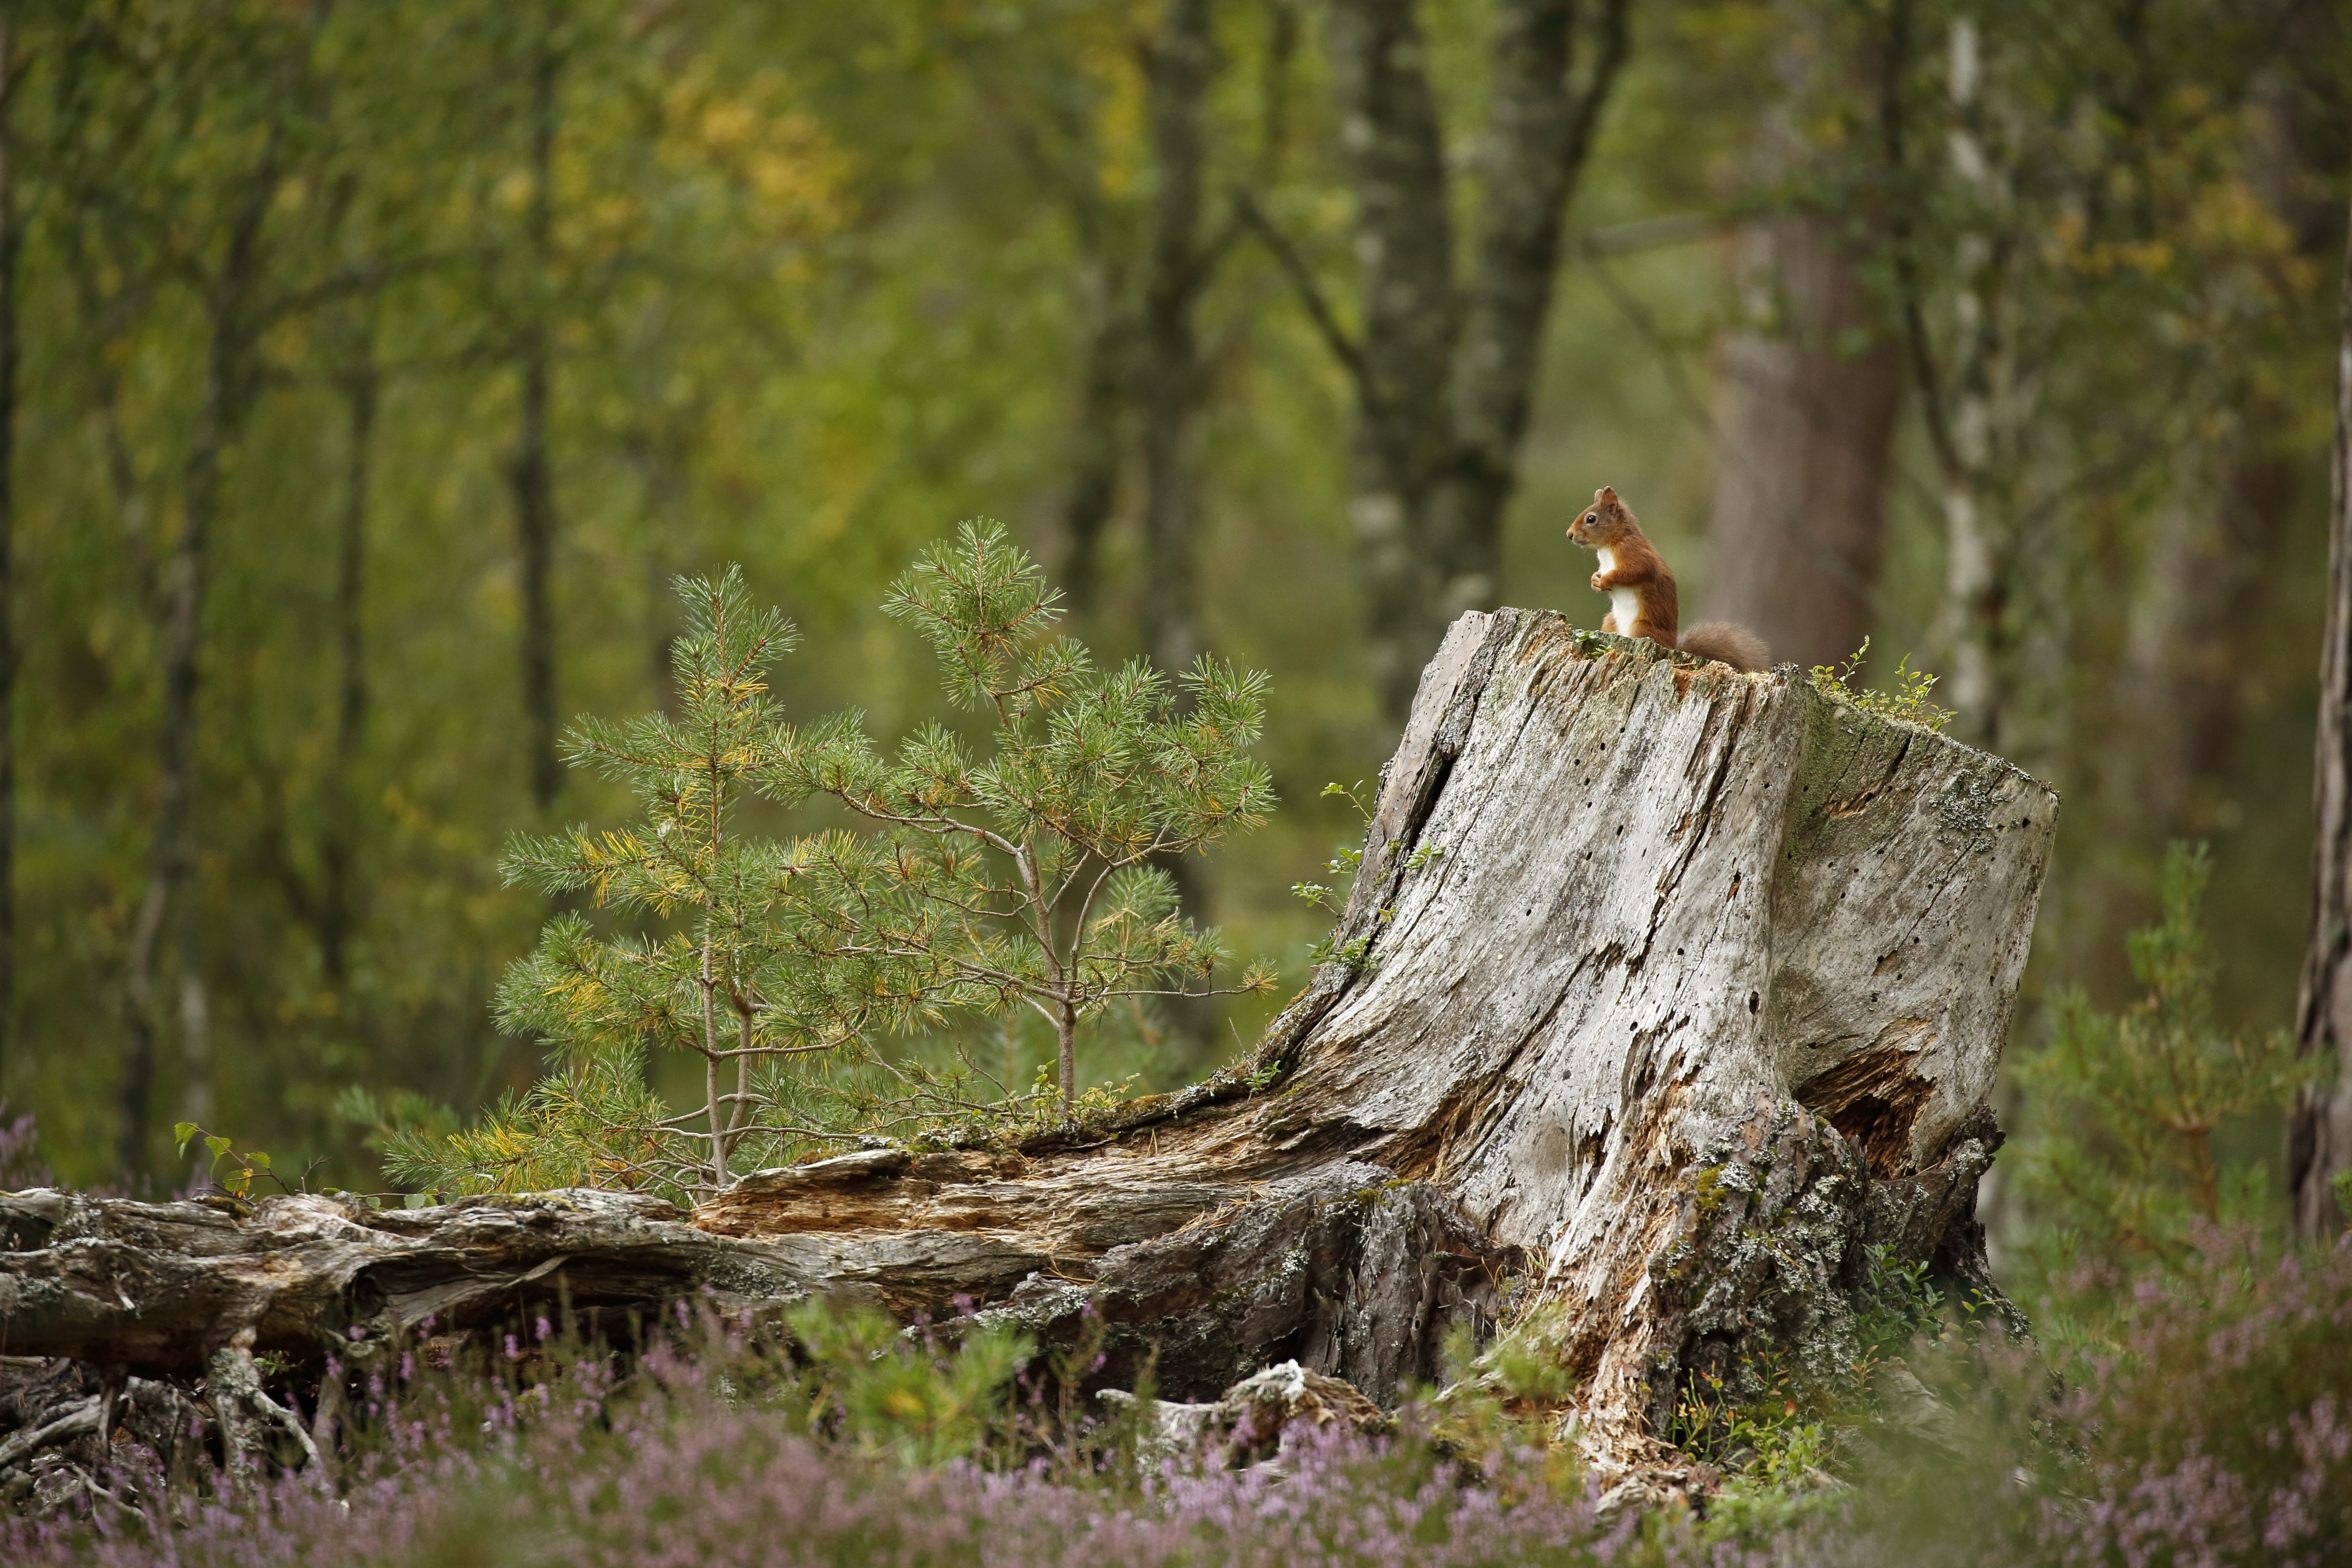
(1642, 590)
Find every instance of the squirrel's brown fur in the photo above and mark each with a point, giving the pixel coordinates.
(1642, 589)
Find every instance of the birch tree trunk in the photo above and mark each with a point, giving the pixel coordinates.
(1976, 447)
(2319, 1134)
(1669, 993)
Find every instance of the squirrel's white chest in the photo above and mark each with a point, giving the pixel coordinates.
(1624, 604)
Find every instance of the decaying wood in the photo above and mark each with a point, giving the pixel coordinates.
(1669, 1000)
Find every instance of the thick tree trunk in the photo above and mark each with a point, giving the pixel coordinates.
(2319, 1134)
(1808, 426)
(1671, 991)
(1810, 377)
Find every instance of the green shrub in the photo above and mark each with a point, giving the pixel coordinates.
(1029, 879)
(1906, 699)
(1034, 875)
(2125, 1104)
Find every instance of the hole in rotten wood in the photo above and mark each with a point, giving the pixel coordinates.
(1873, 1097)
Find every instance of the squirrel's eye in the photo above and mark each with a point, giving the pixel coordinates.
(1593, 517)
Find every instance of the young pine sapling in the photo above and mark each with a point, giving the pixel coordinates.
(2132, 1100)
(735, 983)
(1034, 876)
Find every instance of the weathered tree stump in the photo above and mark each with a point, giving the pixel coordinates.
(1673, 994)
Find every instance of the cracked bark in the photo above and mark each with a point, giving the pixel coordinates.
(1683, 989)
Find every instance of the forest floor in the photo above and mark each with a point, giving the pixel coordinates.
(2198, 1420)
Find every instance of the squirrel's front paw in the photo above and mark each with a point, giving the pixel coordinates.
(1598, 586)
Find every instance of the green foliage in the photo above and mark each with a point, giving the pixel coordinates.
(2126, 1104)
(817, 275)
(867, 1384)
(1789, 1441)
(1023, 879)
(738, 984)
(1031, 874)
(1500, 1402)
(1786, 1443)
(382, 1120)
(2207, 1416)
(1342, 868)
(1346, 859)
(233, 1173)
(1904, 700)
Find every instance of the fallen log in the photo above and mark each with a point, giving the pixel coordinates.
(1665, 1008)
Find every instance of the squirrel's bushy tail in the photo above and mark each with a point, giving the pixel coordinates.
(1726, 642)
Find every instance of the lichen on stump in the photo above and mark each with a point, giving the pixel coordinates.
(1625, 911)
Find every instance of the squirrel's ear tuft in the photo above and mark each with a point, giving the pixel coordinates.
(1607, 494)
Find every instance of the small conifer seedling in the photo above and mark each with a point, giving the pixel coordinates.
(736, 982)
(1026, 878)
(2133, 1100)
(1034, 876)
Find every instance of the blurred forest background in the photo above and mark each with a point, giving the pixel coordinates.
(372, 369)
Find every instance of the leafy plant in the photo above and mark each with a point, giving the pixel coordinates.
(1029, 879)
(1906, 700)
(2132, 1100)
(1346, 859)
(867, 1385)
(742, 985)
(234, 1173)
(1342, 868)
(1034, 875)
